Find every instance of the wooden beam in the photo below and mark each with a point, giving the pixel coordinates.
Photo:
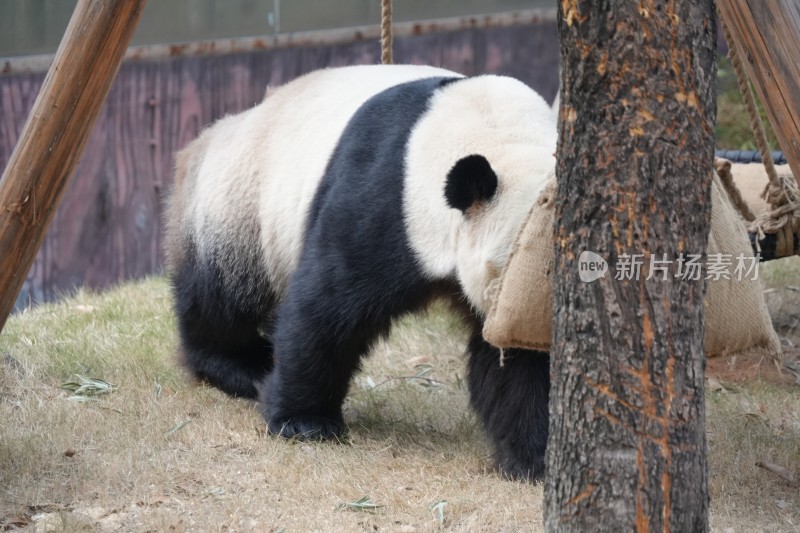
(52, 139)
(767, 33)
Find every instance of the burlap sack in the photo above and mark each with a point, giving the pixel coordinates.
(521, 309)
(735, 312)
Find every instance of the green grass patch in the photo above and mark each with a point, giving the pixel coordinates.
(733, 128)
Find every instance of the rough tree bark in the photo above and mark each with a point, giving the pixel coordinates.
(627, 448)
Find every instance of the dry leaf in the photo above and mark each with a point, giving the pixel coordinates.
(419, 360)
(778, 470)
(715, 385)
(18, 522)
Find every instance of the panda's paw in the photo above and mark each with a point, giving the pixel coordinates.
(521, 469)
(306, 427)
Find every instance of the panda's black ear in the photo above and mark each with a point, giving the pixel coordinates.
(470, 180)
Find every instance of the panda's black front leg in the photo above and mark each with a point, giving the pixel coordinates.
(316, 355)
(326, 323)
(512, 402)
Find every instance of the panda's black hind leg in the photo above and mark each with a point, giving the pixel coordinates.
(512, 403)
(221, 340)
(232, 358)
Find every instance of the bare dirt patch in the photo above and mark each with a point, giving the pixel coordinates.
(754, 365)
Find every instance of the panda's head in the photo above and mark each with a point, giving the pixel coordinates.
(475, 164)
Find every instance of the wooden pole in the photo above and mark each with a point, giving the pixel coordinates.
(767, 33)
(52, 140)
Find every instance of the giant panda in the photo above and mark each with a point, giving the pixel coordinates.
(299, 229)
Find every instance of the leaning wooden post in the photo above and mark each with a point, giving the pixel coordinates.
(767, 33)
(52, 140)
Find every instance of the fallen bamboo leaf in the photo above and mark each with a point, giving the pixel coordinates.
(81, 399)
(88, 386)
(438, 508)
(714, 385)
(363, 504)
(419, 361)
(177, 427)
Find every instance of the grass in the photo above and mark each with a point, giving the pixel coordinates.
(781, 280)
(733, 131)
(756, 423)
(158, 451)
(155, 452)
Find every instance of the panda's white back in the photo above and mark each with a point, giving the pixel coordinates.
(264, 166)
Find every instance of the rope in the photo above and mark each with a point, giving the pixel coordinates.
(782, 194)
(750, 106)
(386, 32)
(784, 218)
(723, 168)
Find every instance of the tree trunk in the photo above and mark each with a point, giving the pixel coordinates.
(627, 447)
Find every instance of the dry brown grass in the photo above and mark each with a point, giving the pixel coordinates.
(113, 463)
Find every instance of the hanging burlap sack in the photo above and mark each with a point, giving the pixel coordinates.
(522, 297)
(735, 312)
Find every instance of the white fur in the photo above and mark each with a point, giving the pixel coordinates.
(513, 128)
(272, 157)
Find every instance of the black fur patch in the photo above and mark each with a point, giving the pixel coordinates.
(512, 403)
(470, 180)
(219, 327)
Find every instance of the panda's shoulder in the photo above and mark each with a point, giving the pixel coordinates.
(401, 104)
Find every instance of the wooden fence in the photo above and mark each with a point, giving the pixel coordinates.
(108, 227)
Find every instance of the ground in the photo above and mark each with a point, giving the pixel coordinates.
(159, 453)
